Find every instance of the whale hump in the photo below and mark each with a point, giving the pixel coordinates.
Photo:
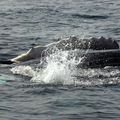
(92, 43)
(103, 43)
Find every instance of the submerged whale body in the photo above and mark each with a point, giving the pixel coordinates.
(105, 52)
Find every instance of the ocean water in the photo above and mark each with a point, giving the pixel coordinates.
(58, 90)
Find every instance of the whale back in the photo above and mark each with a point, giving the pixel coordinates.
(71, 43)
(103, 44)
(92, 43)
(101, 59)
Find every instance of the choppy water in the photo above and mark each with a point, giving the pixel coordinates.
(59, 90)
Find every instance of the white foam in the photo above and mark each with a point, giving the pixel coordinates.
(23, 70)
(58, 69)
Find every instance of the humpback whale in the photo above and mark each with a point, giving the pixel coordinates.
(105, 52)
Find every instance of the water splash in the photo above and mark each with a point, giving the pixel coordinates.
(57, 68)
(61, 68)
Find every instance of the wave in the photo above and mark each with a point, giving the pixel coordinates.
(85, 16)
(6, 77)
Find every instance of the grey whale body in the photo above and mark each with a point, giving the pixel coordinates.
(103, 52)
(101, 59)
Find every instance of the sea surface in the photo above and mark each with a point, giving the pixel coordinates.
(58, 91)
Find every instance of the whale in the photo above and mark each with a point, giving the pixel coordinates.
(105, 51)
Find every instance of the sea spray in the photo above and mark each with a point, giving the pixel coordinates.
(59, 68)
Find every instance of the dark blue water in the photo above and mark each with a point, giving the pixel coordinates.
(27, 22)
